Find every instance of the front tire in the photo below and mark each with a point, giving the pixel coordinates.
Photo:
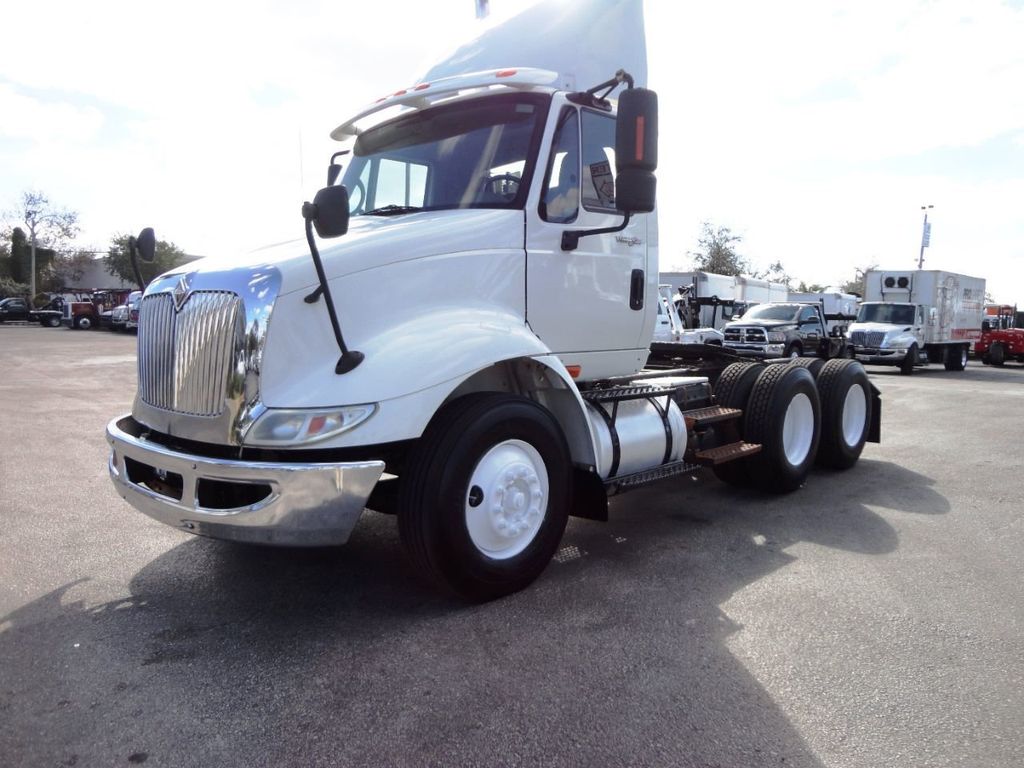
(996, 354)
(909, 362)
(83, 323)
(484, 498)
(794, 351)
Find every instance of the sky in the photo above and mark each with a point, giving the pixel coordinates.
(813, 129)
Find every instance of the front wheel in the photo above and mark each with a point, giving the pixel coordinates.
(484, 499)
(996, 354)
(794, 352)
(83, 322)
(53, 322)
(909, 362)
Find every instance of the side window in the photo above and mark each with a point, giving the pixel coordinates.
(808, 314)
(561, 200)
(598, 161)
(399, 183)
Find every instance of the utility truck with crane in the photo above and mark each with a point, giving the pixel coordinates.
(513, 216)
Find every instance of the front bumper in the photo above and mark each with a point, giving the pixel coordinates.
(756, 350)
(879, 356)
(256, 502)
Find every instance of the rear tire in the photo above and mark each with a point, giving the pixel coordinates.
(732, 390)
(812, 364)
(846, 413)
(485, 495)
(53, 322)
(956, 358)
(784, 416)
(83, 323)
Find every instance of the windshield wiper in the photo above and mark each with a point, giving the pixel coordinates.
(392, 210)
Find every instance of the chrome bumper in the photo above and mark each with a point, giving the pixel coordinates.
(254, 502)
(880, 356)
(755, 350)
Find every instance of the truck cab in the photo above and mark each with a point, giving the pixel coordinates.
(514, 221)
(783, 330)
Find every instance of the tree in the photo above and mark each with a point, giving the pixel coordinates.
(716, 252)
(67, 271)
(856, 285)
(49, 228)
(119, 263)
(810, 288)
(776, 273)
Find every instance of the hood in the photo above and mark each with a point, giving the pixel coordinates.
(879, 327)
(771, 324)
(374, 241)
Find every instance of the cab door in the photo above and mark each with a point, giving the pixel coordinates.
(590, 305)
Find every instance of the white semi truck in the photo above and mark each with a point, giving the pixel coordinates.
(514, 221)
(911, 318)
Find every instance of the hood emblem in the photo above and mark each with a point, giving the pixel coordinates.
(180, 292)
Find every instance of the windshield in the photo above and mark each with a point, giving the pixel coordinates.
(773, 312)
(891, 314)
(470, 154)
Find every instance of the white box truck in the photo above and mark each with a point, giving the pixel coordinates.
(512, 216)
(910, 318)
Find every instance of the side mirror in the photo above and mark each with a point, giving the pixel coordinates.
(636, 151)
(146, 243)
(329, 211)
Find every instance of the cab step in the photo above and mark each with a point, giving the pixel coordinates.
(712, 457)
(614, 394)
(635, 480)
(702, 417)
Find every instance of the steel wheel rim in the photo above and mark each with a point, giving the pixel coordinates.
(963, 358)
(794, 353)
(798, 429)
(855, 412)
(507, 499)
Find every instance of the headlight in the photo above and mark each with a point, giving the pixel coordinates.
(776, 337)
(280, 426)
(888, 343)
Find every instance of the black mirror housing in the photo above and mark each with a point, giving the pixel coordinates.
(636, 151)
(329, 212)
(333, 171)
(146, 244)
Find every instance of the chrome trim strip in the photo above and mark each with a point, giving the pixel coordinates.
(309, 504)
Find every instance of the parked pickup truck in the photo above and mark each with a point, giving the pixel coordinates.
(17, 308)
(784, 330)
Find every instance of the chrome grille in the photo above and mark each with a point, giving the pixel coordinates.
(867, 338)
(186, 357)
(746, 335)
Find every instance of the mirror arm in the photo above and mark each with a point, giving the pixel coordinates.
(133, 255)
(571, 238)
(349, 358)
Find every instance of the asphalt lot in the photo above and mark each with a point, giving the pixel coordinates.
(872, 618)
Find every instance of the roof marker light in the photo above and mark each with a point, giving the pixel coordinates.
(400, 93)
(422, 87)
(505, 73)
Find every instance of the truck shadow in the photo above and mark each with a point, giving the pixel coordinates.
(618, 655)
(975, 371)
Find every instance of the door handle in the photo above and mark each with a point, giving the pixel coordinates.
(636, 289)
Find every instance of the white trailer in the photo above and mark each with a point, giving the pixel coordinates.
(278, 397)
(752, 290)
(705, 300)
(839, 309)
(915, 317)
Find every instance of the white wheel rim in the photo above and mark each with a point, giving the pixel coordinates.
(794, 353)
(963, 358)
(855, 413)
(798, 429)
(507, 499)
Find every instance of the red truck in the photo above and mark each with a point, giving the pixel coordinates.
(1000, 339)
(94, 310)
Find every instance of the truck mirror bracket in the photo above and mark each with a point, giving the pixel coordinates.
(571, 237)
(349, 357)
